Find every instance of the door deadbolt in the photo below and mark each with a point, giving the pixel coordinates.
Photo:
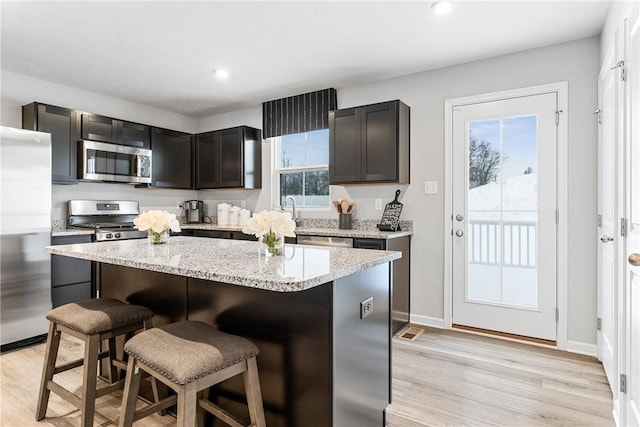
(459, 217)
(459, 233)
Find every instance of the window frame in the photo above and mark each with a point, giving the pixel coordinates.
(277, 170)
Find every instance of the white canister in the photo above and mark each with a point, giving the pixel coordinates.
(233, 215)
(223, 213)
(243, 217)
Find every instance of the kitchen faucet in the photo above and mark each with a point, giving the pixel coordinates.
(293, 204)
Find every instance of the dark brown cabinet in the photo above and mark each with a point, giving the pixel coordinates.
(400, 280)
(71, 278)
(369, 144)
(229, 158)
(64, 126)
(172, 159)
(114, 131)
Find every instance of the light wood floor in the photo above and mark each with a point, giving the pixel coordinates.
(442, 378)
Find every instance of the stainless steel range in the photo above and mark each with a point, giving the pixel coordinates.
(111, 219)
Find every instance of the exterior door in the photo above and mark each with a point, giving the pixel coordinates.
(608, 292)
(504, 216)
(631, 252)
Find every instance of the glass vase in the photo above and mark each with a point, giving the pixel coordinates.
(273, 244)
(157, 238)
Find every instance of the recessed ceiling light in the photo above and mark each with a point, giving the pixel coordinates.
(220, 73)
(442, 7)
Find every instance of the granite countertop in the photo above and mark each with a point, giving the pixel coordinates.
(71, 232)
(314, 231)
(235, 262)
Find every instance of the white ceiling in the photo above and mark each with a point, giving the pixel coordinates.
(162, 54)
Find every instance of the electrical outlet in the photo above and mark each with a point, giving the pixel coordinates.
(378, 204)
(366, 307)
(179, 204)
(431, 187)
(243, 204)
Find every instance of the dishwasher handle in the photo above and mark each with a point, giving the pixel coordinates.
(340, 242)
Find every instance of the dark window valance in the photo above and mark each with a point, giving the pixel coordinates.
(298, 114)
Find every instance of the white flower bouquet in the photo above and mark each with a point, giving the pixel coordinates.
(158, 224)
(270, 227)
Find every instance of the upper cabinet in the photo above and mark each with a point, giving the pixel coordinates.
(369, 144)
(229, 158)
(172, 159)
(114, 131)
(64, 126)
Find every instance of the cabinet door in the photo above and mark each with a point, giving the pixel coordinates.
(171, 167)
(63, 125)
(133, 134)
(99, 128)
(344, 146)
(379, 139)
(207, 153)
(230, 159)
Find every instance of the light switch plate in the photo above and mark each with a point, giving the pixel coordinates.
(378, 204)
(431, 187)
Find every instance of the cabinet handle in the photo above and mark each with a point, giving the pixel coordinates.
(604, 238)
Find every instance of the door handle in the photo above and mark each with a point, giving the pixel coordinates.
(634, 259)
(604, 238)
(459, 217)
(459, 233)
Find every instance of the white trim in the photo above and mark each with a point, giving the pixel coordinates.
(433, 322)
(562, 90)
(582, 348)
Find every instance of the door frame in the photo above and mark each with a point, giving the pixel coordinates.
(562, 90)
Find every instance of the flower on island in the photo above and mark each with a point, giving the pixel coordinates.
(270, 226)
(157, 221)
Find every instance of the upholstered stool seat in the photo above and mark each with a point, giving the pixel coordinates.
(92, 321)
(190, 357)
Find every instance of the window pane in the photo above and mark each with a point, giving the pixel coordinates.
(291, 185)
(292, 150)
(318, 147)
(314, 184)
(316, 187)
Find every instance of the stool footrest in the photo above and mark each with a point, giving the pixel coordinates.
(220, 413)
(156, 407)
(118, 385)
(68, 365)
(65, 394)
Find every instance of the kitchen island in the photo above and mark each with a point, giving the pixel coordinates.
(320, 317)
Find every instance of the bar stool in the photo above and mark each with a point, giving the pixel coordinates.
(92, 321)
(190, 357)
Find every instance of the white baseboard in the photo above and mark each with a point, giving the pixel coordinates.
(582, 348)
(434, 322)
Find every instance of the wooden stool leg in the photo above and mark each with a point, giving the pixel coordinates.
(90, 378)
(187, 405)
(130, 393)
(112, 373)
(254, 395)
(50, 356)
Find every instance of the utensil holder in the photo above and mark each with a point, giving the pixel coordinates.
(344, 221)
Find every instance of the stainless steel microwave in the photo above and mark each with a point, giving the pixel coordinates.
(99, 161)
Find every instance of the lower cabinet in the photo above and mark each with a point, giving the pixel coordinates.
(71, 278)
(401, 293)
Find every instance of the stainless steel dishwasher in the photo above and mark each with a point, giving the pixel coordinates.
(341, 242)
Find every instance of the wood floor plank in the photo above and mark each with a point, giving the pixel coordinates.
(443, 378)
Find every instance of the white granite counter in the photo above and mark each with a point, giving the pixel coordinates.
(233, 261)
(71, 232)
(314, 231)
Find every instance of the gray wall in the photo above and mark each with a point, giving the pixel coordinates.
(575, 62)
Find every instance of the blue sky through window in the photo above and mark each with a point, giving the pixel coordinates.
(519, 141)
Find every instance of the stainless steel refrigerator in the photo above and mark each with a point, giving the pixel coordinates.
(25, 231)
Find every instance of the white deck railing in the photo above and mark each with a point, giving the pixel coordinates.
(516, 247)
